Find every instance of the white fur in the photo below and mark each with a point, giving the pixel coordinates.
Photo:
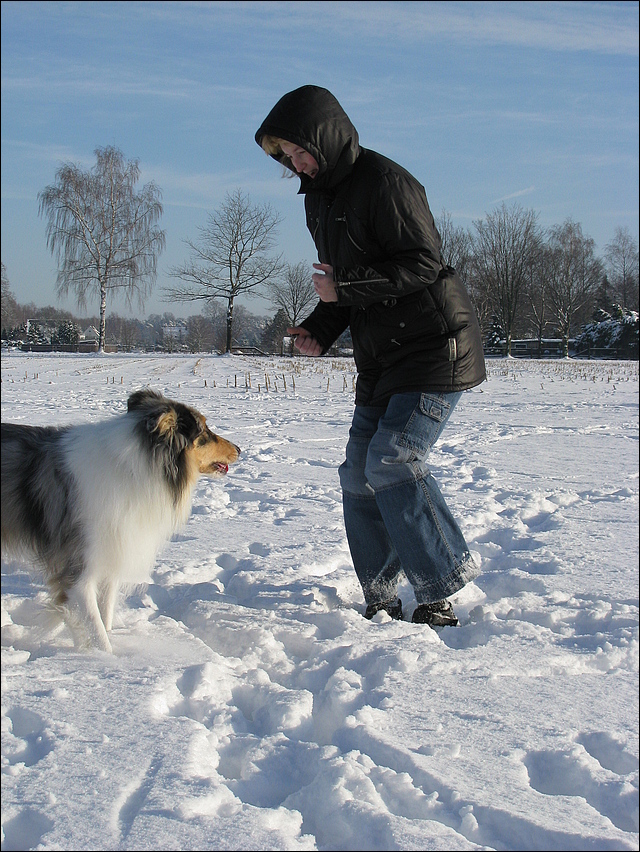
(127, 513)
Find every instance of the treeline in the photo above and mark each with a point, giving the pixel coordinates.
(205, 332)
(29, 324)
(527, 284)
(535, 284)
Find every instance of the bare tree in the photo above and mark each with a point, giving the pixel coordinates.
(8, 303)
(622, 261)
(102, 231)
(574, 276)
(457, 251)
(247, 327)
(456, 245)
(502, 246)
(125, 331)
(199, 334)
(537, 300)
(232, 256)
(295, 293)
(215, 314)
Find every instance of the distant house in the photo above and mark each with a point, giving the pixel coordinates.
(90, 333)
(175, 332)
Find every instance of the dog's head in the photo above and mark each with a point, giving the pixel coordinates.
(180, 436)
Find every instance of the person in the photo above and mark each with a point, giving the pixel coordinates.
(416, 342)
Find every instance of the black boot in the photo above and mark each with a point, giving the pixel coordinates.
(392, 607)
(438, 614)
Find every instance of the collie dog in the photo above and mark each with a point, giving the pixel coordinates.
(92, 504)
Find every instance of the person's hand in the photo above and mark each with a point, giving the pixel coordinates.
(304, 342)
(323, 282)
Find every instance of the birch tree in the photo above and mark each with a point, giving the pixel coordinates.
(103, 233)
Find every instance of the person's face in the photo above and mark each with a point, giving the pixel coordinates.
(301, 160)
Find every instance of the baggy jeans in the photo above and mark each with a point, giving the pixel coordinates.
(395, 515)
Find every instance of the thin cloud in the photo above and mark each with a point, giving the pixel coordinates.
(517, 194)
(561, 26)
(571, 26)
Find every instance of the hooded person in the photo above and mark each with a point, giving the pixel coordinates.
(416, 341)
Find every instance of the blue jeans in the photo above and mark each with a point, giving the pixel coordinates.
(395, 516)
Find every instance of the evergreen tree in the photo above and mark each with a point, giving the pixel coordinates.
(275, 332)
(66, 333)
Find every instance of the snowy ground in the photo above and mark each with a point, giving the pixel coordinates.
(249, 705)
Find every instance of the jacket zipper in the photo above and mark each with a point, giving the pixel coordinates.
(346, 225)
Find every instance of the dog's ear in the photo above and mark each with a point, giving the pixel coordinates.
(175, 424)
(189, 425)
(164, 424)
(142, 398)
(167, 422)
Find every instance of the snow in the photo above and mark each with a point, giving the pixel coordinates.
(249, 705)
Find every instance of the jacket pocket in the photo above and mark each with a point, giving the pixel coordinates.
(352, 240)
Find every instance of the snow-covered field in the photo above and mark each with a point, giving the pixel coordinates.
(249, 705)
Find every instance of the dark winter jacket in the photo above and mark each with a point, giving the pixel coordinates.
(412, 323)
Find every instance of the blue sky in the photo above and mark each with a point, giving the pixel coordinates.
(534, 103)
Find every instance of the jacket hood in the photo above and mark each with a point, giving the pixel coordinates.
(312, 118)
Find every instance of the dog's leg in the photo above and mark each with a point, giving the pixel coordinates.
(83, 605)
(107, 602)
